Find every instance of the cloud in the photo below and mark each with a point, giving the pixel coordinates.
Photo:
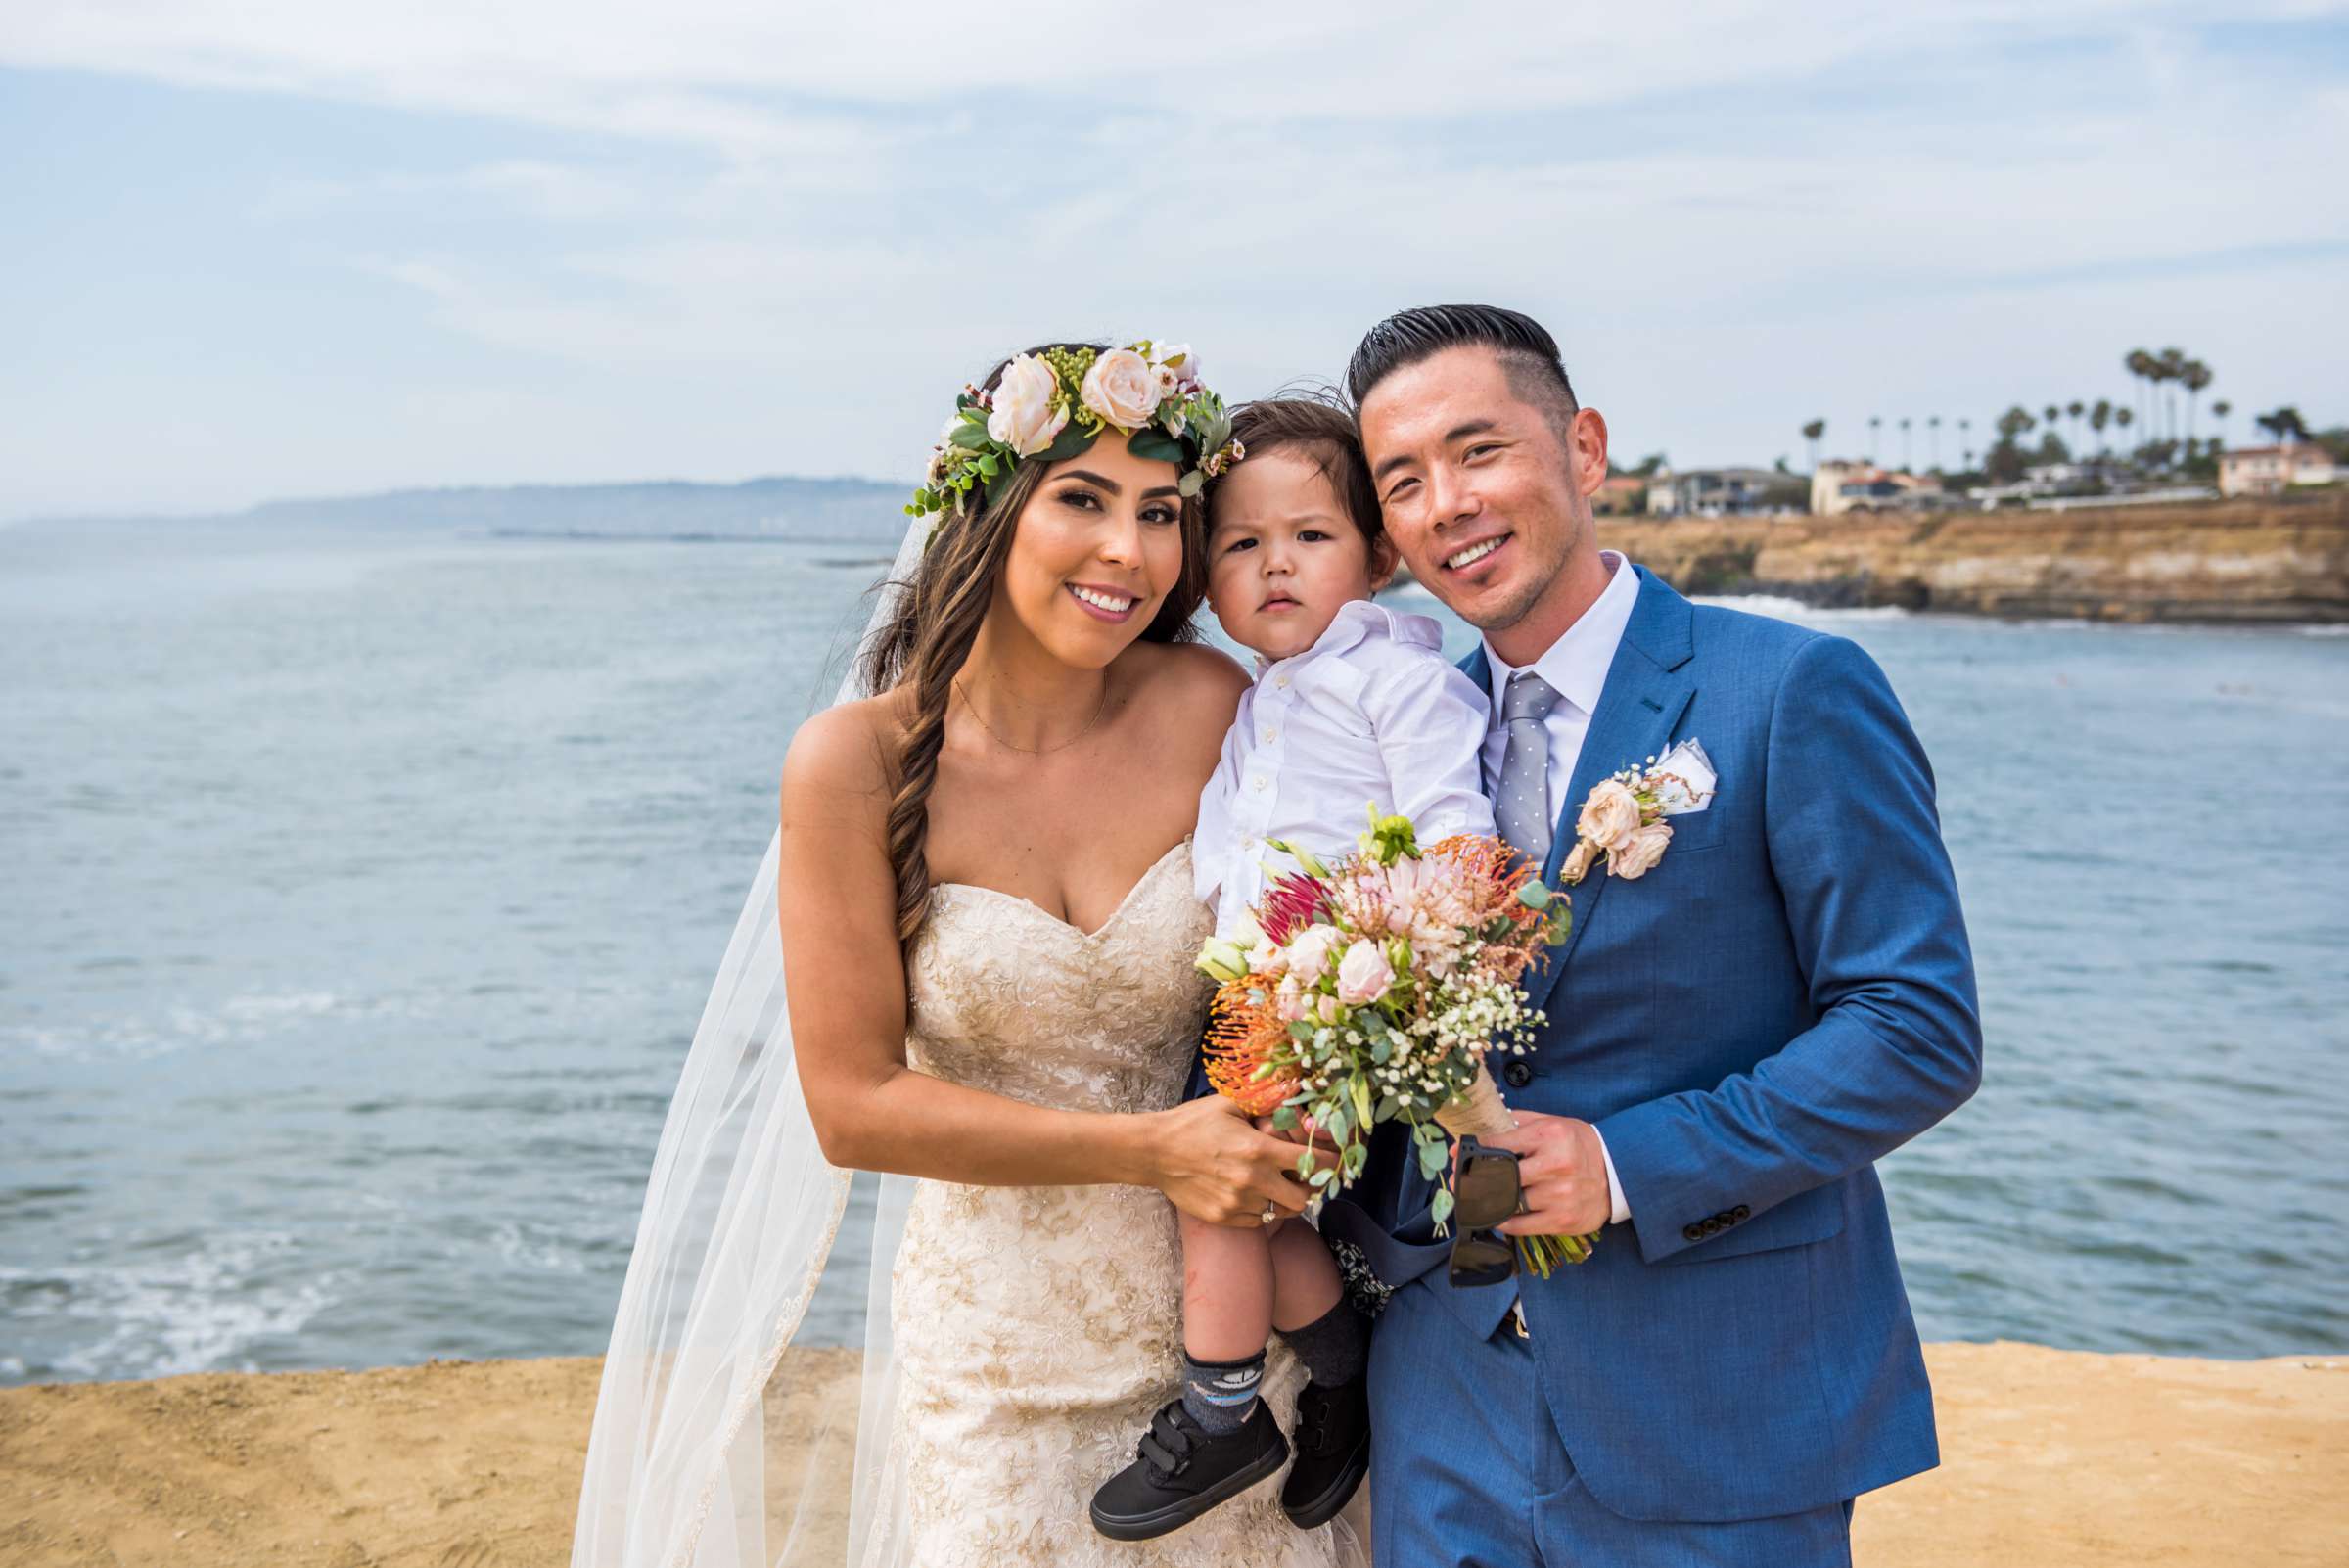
(792, 227)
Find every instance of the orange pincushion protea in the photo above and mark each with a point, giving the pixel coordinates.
(1242, 1033)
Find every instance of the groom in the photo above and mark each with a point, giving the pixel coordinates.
(1734, 1037)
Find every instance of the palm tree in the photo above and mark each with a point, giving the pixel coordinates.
(2075, 408)
(1965, 434)
(2219, 411)
(2285, 424)
(2141, 365)
(1874, 421)
(1933, 425)
(2173, 368)
(1811, 432)
(2124, 417)
(2097, 418)
(2197, 376)
(1905, 464)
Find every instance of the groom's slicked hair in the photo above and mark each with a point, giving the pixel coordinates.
(1528, 354)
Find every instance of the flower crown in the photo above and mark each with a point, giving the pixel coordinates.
(1055, 404)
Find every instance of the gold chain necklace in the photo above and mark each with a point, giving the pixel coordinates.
(1036, 751)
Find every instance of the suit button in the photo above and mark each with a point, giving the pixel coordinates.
(1517, 1074)
(1693, 1232)
(1741, 1212)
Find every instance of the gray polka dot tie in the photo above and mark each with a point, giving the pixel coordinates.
(1521, 799)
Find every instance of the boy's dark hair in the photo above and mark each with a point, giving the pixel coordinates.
(1528, 354)
(1316, 427)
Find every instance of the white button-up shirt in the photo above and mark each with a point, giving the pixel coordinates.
(1576, 668)
(1371, 713)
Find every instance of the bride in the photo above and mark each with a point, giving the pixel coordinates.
(977, 925)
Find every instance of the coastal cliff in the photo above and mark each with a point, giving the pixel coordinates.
(2246, 562)
(2048, 1458)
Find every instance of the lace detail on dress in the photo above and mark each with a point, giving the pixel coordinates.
(1037, 1329)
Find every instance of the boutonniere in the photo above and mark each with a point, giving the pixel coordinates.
(1623, 818)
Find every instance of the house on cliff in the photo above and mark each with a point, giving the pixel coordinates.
(1722, 491)
(1838, 486)
(2271, 469)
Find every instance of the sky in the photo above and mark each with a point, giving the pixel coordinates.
(259, 249)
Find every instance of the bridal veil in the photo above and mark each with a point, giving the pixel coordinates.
(710, 1449)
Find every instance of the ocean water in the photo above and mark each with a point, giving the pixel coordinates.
(359, 891)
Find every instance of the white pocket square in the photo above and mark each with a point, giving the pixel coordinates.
(1693, 783)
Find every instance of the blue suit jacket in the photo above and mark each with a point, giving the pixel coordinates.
(1786, 998)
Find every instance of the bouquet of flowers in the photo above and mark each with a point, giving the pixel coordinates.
(1373, 990)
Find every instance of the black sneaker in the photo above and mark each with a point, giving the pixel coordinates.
(1181, 1472)
(1333, 1452)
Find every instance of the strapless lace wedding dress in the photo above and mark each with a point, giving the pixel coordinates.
(1038, 1327)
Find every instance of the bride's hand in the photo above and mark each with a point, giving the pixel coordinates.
(1213, 1166)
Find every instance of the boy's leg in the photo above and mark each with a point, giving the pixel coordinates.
(1309, 1309)
(1227, 1291)
(1332, 1432)
(1218, 1438)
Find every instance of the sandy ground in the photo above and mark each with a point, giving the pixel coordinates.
(2049, 1458)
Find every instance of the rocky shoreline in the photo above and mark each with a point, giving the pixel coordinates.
(2053, 1458)
(2232, 563)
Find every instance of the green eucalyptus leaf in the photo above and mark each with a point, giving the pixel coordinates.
(1154, 446)
(1439, 1209)
(1073, 440)
(971, 438)
(1190, 485)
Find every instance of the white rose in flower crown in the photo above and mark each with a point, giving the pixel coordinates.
(1611, 815)
(1637, 855)
(1024, 418)
(1121, 389)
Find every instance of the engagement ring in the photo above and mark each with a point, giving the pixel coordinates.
(1271, 1214)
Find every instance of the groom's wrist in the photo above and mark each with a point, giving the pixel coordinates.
(1619, 1207)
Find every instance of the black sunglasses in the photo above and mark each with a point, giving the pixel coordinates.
(1486, 1189)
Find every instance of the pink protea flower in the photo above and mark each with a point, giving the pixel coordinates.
(1289, 906)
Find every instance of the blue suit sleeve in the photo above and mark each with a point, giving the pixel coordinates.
(1854, 845)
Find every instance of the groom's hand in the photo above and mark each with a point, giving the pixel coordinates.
(1563, 1170)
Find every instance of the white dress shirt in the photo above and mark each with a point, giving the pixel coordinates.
(1372, 713)
(1576, 668)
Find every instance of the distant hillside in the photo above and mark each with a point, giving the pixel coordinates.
(781, 508)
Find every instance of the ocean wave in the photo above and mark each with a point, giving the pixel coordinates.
(194, 1312)
(141, 1037)
(1779, 608)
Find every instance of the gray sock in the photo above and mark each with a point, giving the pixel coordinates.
(1333, 1345)
(1220, 1396)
